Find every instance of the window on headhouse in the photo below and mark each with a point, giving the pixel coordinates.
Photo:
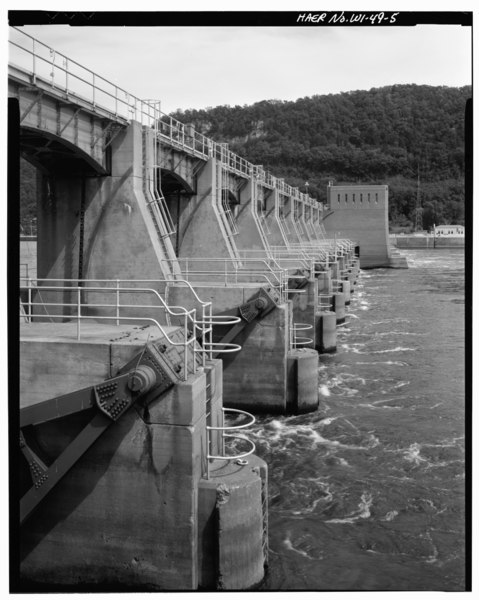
(345, 197)
(369, 197)
(376, 198)
(339, 197)
(354, 197)
(360, 197)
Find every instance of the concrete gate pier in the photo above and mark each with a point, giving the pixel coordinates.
(133, 512)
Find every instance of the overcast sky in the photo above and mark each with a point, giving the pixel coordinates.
(195, 67)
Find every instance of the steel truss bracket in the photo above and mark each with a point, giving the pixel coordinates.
(114, 397)
(39, 94)
(146, 376)
(111, 128)
(38, 469)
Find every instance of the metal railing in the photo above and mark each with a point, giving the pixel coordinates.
(336, 285)
(325, 302)
(66, 75)
(225, 272)
(44, 64)
(77, 304)
(297, 341)
(238, 458)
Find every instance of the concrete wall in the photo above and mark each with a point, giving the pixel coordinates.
(360, 213)
(28, 257)
(95, 527)
(249, 236)
(255, 378)
(201, 232)
(275, 236)
(114, 210)
(127, 516)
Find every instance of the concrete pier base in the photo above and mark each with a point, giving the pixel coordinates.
(339, 307)
(325, 331)
(346, 290)
(130, 514)
(231, 523)
(302, 378)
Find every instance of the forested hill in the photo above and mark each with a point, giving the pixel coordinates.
(384, 135)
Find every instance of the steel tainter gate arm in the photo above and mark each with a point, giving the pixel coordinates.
(146, 376)
(258, 306)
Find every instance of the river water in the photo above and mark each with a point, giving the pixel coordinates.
(368, 493)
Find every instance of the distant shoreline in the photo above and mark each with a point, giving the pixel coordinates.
(426, 240)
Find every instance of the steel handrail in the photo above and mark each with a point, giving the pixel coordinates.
(204, 324)
(300, 340)
(93, 84)
(168, 128)
(224, 428)
(231, 273)
(328, 304)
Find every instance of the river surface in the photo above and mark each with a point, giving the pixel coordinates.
(368, 493)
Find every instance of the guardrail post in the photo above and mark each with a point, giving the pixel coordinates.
(78, 312)
(34, 64)
(185, 330)
(30, 308)
(117, 302)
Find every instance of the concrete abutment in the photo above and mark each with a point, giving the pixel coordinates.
(131, 513)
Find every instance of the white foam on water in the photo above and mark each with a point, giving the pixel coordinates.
(287, 543)
(354, 349)
(390, 333)
(398, 363)
(363, 511)
(351, 424)
(391, 515)
(396, 349)
(433, 558)
(326, 498)
(374, 407)
(401, 384)
(324, 390)
(327, 421)
(413, 454)
(347, 377)
(395, 320)
(373, 441)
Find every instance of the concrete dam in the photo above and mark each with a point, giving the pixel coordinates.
(178, 291)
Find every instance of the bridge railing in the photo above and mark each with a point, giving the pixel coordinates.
(45, 65)
(237, 457)
(201, 272)
(118, 301)
(51, 68)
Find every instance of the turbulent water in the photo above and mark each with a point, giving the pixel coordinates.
(368, 492)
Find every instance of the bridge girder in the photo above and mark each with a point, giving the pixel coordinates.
(58, 133)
